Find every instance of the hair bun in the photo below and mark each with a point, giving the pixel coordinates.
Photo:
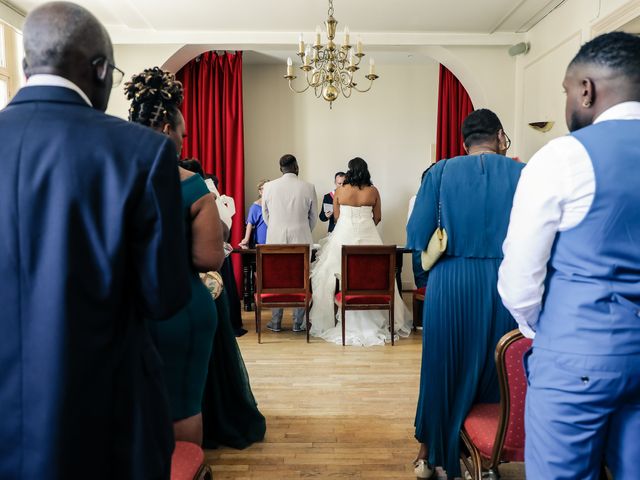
(154, 94)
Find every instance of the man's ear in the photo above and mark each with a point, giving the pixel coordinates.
(25, 67)
(166, 129)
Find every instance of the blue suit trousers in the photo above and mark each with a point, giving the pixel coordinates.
(582, 410)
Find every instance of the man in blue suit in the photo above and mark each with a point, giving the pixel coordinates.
(91, 243)
(571, 273)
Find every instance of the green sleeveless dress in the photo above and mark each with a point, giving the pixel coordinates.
(185, 341)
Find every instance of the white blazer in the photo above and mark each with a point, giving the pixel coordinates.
(290, 209)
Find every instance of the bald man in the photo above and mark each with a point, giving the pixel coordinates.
(91, 242)
(571, 273)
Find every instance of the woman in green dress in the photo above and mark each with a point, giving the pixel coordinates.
(185, 340)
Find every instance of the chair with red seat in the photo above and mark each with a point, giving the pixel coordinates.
(282, 280)
(418, 302)
(494, 432)
(367, 281)
(187, 463)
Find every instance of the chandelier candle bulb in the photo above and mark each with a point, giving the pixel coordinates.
(359, 48)
(289, 67)
(300, 44)
(372, 67)
(346, 35)
(318, 36)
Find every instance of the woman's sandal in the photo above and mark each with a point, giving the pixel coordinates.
(422, 469)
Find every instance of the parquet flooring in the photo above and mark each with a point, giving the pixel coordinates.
(332, 412)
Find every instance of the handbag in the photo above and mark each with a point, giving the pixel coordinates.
(438, 242)
(213, 282)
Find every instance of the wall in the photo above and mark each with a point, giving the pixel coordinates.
(539, 74)
(392, 127)
(133, 59)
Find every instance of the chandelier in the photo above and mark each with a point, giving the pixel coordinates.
(329, 69)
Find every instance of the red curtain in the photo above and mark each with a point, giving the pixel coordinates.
(212, 110)
(454, 105)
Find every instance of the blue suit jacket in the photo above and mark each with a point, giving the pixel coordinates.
(91, 242)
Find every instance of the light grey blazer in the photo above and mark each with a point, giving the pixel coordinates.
(290, 209)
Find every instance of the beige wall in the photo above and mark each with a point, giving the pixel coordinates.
(539, 74)
(133, 59)
(392, 127)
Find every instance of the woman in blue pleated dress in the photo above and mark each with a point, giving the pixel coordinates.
(463, 317)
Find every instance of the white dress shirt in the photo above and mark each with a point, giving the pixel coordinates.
(554, 194)
(46, 80)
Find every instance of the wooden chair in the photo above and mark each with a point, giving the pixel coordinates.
(494, 432)
(282, 280)
(418, 305)
(367, 281)
(187, 463)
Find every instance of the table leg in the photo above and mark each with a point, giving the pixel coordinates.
(399, 255)
(247, 297)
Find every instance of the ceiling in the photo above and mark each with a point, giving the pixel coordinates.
(164, 21)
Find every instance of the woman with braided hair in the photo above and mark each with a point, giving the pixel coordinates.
(185, 340)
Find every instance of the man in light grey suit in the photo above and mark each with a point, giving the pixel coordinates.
(290, 209)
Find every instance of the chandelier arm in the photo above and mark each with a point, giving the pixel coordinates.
(366, 89)
(297, 91)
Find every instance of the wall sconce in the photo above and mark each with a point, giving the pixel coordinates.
(542, 126)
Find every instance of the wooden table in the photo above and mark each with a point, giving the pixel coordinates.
(248, 256)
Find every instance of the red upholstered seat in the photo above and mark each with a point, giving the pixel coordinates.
(513, 448)
(282, 280)
(364, 299)
(282, 297)
(481, 425)
(186, 461)
(494, 433)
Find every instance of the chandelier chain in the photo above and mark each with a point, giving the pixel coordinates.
(330, 11)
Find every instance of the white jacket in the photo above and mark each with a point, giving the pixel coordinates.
(290, 209)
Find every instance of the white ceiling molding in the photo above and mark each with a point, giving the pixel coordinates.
(125, 35)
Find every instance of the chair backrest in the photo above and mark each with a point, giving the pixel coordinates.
(509, 445)
(368, 269)
(282, 269)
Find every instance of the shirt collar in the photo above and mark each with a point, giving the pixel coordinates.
(46, 80)
(621, 111)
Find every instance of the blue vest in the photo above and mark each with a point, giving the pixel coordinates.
(592, 293)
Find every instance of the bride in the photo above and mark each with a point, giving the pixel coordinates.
(356, 208)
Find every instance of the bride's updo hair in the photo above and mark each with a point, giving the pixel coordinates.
(155, 97)
(358, 174)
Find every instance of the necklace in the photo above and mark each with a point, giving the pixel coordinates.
(481, 152)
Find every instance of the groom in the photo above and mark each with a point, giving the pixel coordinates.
(289, 208)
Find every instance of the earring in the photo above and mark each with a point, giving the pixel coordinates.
(586, 103)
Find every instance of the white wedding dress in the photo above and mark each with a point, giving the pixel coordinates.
(364, 327)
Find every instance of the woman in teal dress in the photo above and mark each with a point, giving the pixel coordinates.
(463, 317)
(185, 340)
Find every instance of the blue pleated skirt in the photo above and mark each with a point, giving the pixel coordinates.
(463, 320)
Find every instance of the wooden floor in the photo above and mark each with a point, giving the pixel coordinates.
(332, 412)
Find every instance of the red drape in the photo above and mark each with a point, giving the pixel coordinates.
(454, 105)
(212, 110)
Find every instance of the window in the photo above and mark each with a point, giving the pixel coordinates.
(3, 48)
(11, 76)
(4, 91)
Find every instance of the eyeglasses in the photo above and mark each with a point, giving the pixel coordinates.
(116, 74)
(507, 138)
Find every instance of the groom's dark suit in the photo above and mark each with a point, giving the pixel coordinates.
(91, 242)
(328, 198)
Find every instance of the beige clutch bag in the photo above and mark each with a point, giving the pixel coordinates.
(435, 249)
